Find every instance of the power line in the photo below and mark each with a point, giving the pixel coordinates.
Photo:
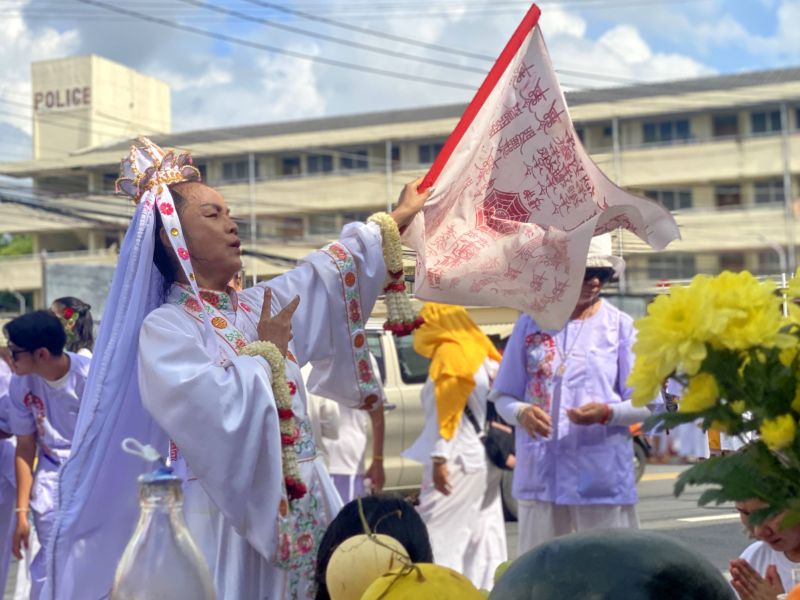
(276, 50)
(329, 38)
(366, 31)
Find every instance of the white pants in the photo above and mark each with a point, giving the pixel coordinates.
(487, 547)
(540, 522)
(452, 521)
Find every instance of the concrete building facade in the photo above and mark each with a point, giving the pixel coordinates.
(722, 152)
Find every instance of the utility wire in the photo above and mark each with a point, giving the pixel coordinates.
(250, 44)
(329, 38)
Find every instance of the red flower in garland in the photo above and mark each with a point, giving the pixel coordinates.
(292, 387)
(295, 489)
(68, 312)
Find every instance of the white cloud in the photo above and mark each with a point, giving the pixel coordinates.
(21, 45)
(556, 21)
(626, 42)
(216, 85)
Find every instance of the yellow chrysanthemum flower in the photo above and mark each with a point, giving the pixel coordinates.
(796, 401)
(645, 382)
(778, 433)
(701, 393)
(752, 312)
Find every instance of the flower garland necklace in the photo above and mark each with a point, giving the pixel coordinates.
(402, 319)
(295, 488)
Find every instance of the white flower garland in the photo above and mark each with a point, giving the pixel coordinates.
(295, 488)
(402, 319)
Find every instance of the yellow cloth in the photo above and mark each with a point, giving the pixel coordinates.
(456, 347)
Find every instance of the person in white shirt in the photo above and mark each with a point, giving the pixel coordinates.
(45, 396)
(764, 569)
(342, 435)
(459, 498)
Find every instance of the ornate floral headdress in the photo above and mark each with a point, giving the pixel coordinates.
(149, 166)
(144, 176)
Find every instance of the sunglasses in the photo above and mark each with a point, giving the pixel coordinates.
(603, 274)
(15, 351)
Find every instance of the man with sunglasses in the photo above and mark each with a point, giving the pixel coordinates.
(45, 395)
(567, 390)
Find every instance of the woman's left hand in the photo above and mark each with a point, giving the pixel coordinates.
(752, 586)
(589, 414)
(410, 203)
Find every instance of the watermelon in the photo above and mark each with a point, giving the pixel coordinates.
(620, 564)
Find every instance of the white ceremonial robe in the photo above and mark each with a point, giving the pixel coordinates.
(221, 414)
(466, 528)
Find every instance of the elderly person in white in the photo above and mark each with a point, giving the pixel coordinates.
(219, 377)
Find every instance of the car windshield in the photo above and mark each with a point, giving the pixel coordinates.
(413, 367)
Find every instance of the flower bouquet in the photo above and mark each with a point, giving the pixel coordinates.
(733, 342)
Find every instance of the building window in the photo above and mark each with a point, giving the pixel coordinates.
(201, 167)
(665, 131)
(769, 262)
(765, 121)
(671, 199)
(428, 152)
(731, 261)
(355, 216)
(581, 134)
(323, 224)
(728, 195)
(768, 192)
(110, 182)
(319, 163)
(671, 266)
(238, 170)
(290, 165)
(395, 157)
(354, 160)
(726, 125)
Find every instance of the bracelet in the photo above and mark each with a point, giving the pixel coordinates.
(22, 510)
(377, 457)
(438, 460)
(606, 415)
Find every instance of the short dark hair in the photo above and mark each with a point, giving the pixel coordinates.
(83, 330)
(38, 329)
(388, 514)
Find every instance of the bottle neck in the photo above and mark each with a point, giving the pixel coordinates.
(161, 497)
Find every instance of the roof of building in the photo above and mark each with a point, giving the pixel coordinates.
(594, 104)
(574, 99)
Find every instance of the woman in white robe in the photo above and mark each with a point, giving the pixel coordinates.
(459, 499)
(216, 407)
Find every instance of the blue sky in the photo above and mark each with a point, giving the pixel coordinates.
(216, 84)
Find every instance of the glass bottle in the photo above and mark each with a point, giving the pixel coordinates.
(161, 559)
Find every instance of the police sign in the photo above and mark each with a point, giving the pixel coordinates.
(72, 97)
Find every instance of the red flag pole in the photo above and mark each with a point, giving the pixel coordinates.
(506, 56)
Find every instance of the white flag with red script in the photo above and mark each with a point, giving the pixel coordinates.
(516, 197)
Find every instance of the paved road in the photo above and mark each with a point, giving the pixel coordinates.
(715, 532)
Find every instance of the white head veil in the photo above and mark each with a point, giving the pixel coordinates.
(97, 499)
